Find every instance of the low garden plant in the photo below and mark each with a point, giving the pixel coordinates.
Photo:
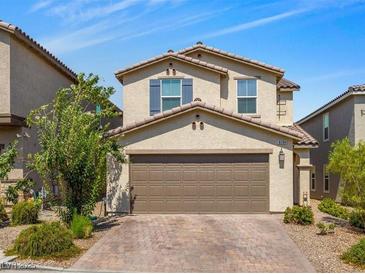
(328, 205)
(25, 212)
(357, 218)
(355, 254)
(81, 226)
(3, 215)
(325, 229)
(52, 240)
(302, 215)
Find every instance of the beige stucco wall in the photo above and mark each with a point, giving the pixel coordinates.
(4, 73)
(206, 86)
(359, 114)
(33, 81)
(286, 105)
(218, 133)
(266, 85)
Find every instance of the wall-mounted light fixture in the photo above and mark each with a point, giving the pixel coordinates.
(281, 158)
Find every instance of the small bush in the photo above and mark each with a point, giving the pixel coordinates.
(302, 215)
(81, 226)
(357, 218)
(45, 240)
(25, 212)
(355, 254)
(329, 206)
(3, 215)
(11, 194)
(325, 229)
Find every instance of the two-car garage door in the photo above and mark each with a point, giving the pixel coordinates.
(223, 183)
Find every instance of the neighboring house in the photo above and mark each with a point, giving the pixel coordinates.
(342, 117)
(207, 131)
(29, 77)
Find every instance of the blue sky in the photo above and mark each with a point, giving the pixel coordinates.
(319, 43)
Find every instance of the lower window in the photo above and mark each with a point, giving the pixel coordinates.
(326, 180)
(313, 180)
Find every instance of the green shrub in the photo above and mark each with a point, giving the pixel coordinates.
(44, 240)
(329, 206)
(302, 215)
(81, 226)
(357, 218)
(11, 194)
(355, 254)
(25, 212)
(3, 215)
(325, 229)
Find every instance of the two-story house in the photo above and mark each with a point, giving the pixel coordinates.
(344, 116)
(207, 131)
(30, 76)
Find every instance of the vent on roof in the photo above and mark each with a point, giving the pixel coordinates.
(199, 43)
(170, 51)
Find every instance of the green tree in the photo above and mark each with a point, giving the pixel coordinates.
(73, 149)
(7, 159)
(348, 162)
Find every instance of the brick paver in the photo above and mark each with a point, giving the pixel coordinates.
(195, 243)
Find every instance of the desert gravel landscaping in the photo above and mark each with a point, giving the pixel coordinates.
(324, 251)
(8, 235)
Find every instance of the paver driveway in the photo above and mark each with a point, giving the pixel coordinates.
(196, 243)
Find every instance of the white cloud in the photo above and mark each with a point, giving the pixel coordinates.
(255, 23)
(40, 5)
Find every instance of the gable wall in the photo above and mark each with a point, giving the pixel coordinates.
(359, 113)
(206, 86)
(33, 81)
(266, 86)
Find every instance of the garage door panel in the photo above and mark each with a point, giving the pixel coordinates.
(258, 191)
(225, 190)
(241, 190)
(206, 174)
(190, 190)
(200, 184)
(259, 205)
(176, 190)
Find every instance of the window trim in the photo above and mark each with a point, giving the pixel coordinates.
(324, 180)
(313, 179)
(323, 128)
(238, 97)
(162, 96)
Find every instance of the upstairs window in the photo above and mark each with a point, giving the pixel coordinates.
(171, 93)
(247, 96)
(326, 127)
(326, 180)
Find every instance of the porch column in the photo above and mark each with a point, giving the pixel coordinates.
(304, 168)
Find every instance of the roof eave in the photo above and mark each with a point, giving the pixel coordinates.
(279, 73)
(120, 73)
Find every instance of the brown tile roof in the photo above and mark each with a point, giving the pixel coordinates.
(197, 104)
(355, 89)
(307, 139)
(30, 42)
(174, 55)
(285, 83)
(200, 45)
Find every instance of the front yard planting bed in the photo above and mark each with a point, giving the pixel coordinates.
(325, 251)
(8, 234)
